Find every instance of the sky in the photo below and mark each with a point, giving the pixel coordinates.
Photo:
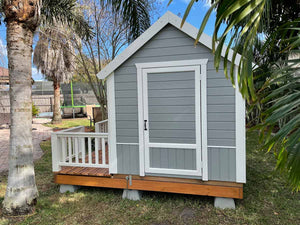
(177, 7)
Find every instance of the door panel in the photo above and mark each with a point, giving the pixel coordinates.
(170, 158)
(170, 122)
(166, 105)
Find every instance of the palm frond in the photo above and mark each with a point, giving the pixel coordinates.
(134, 13)
(275, 88)
(65, 11)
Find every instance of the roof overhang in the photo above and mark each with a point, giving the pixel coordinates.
(167, 18)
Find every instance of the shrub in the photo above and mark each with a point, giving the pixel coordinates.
(35, 110)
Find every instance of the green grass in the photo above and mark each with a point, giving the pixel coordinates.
(267, 200)
(67, 123)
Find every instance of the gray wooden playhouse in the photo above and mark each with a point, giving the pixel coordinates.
(172, 119)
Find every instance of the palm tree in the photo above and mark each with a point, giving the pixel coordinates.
(54, 56)
(22, 18)
(276, 23)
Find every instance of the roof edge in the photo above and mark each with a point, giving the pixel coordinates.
(167, 18)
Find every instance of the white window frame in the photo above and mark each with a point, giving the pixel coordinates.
(199, 67)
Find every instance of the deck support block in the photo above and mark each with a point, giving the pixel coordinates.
(134, 195)
(224, 203)
(67, 188)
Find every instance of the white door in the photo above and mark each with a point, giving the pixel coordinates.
(171, 120)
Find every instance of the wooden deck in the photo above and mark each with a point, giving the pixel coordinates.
(84, 171)
(96, 177)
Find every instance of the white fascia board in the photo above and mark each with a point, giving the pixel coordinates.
(167, 18)
(134, 46)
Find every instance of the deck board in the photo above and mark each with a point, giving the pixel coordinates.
(84, 171)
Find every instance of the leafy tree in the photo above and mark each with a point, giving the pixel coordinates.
(276, 24)
(22, 18)
(111, 35)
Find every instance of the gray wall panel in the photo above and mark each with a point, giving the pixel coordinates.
(221, 164)
(128, 159)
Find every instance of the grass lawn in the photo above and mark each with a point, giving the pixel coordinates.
(267, 200)
(67, 123)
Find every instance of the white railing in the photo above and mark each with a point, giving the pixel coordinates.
(74, 147)
(101, 127)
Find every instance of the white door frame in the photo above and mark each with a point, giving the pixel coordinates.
(199, 67)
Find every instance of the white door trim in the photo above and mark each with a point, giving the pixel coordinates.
(199, 66)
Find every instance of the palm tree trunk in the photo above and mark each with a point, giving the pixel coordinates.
(21, 192)
(56, 109)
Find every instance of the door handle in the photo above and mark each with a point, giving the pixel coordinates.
(145, 125)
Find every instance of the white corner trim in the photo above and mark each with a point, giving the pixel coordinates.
(204, 122)
(240, 133)
(167, 18)
(111, 106)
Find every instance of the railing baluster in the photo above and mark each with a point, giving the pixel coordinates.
(103, 151)
(83, 149)
(64, 149)
(96, 150)
(90, 150)
(76, 150)
(70, 149)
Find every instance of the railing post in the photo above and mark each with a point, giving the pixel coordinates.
(55, 152)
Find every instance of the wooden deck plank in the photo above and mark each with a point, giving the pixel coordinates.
(85, 171)
(206, 189)
(65, 169)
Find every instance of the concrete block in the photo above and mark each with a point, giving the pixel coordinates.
(65, 187)
(134, 195)
(224, 203)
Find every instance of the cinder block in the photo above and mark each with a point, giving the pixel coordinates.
(134, 195)
(65, 187)
(224, 203)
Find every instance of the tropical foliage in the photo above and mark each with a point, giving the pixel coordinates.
(274, 25)
(22, 18)
(54, 57)
(111, 35)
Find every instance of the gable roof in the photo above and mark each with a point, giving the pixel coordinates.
(167, 18)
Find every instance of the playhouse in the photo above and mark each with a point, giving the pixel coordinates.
(174, 123)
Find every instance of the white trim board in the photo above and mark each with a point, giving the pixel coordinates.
(199, 67)
(111, 106)
(240, 131)
(167, 18)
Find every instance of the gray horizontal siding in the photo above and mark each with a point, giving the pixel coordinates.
(162, 95)
(221, 164)
(171, 158)
(128, 159)
(168, 45)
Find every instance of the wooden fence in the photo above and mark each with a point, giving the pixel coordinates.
(43, 102)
